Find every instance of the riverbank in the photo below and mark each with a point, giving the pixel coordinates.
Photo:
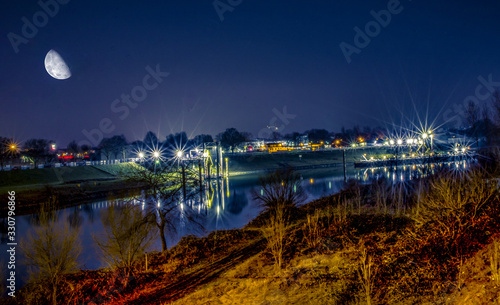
(336, 251)
(74, 185)
(67, 186)
(261, 162)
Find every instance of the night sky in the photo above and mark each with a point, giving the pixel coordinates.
(233, 71)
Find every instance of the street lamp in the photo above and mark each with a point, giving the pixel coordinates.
(156, 154)
(141, 155)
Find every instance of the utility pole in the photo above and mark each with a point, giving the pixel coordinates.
(343, 161)
(201, 181)
(397, 153)
(183, 180)
(218, 161)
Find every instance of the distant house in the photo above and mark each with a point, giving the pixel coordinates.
(303, 140)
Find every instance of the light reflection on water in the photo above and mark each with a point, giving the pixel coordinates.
(228, 204)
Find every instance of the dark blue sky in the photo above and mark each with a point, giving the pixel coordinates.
(264, 55)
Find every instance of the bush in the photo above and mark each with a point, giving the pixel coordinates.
(51, 251)
(127, 235)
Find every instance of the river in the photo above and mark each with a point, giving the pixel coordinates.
(229, 206)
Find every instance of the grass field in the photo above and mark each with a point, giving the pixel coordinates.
(261, 161)
(61, 175)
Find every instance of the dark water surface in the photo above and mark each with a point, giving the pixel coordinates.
(229, 205)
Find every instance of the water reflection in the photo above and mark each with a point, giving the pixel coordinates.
(223, 204)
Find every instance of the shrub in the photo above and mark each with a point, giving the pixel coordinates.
(51, 251)
(127, 235)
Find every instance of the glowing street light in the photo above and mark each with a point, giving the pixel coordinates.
(391, 142)
(424, 136)
(400, 141)
(141, 155)
(179, 154)
(156, 154)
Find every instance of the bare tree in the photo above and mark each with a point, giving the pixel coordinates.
(472, 117)
(51, 251)
(496, 106)
(127, 235)
(281, 192)
(280, 188)
(164, 196)
(37, 150)
(275, 231)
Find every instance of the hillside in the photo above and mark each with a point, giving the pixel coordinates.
(336, 251)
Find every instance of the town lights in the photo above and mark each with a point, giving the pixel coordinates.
(179, 154)
(400, 141)
(424, 136)
(141, 155)
(391, 142)
(156, 154)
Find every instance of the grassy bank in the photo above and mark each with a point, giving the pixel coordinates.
(243, 163)
(71, 185)
(364, 245)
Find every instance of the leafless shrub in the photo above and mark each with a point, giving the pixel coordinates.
(127, 235)
(366, 274)
(458, 199)
(495, 262)
(51, 251)
(312, 230)
(380, 195)
(281, 189)
(275, 232)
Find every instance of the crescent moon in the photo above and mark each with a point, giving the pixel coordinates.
(56, 66)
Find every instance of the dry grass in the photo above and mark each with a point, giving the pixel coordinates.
(312, 230)
(495, 262)
(367, 253)
(366, 273)
(275, 233)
